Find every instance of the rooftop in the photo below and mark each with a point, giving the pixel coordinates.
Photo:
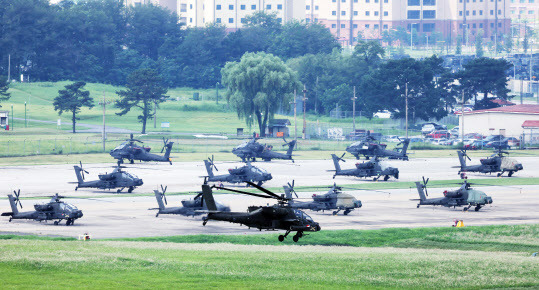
(523, 109)
(530, 124)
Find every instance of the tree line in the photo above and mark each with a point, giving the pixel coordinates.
(104, 41)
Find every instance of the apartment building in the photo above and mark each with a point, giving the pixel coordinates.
(524, 10)
(347, 18)
(232, 13)
(171, 5)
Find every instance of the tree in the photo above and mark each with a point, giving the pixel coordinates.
(144, 90)
(487, 76)
(370, 51)
(259, 84)
(479, 44)
(72, 99)
(4, 86)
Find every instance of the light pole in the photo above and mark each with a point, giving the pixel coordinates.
(462, 116)
(304, 111)
(217, 93)
(295, 117)
(354, 111)
(25, 123)
(406, 102)
(11, 117)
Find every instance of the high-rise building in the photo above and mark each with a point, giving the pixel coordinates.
(348, 18)
(171, 5)
(232, 13)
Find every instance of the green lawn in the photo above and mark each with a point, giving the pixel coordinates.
(472, 257)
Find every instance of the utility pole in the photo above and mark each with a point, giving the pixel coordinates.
(295, 117)
(11, 127)
(354, 111)
(406, 97)
(304, 111)
(25, 123)
(462, 116)
(8, 68)
(104, 133)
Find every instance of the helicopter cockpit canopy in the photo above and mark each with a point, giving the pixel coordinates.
(121, 146)
(302, 215)
(258, 170)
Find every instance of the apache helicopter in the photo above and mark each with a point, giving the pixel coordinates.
(368, 148)
(237, 175)
(366, 169)
(191, 207)
(54, 210)
(275, 217)
(334, 199)
(116, 179)
(131, 151)
(497, 162)
(250, 150)
(464, 196)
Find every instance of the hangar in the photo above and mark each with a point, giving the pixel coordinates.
(505, 121)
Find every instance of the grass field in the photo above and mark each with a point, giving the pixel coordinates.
(472, 257)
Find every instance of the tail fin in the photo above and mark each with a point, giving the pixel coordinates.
(13, 205)
(291, 146)
(159, 198)
(405, 144)
(207, 196)
(419, 186)
(79, 175)
(208, 168)
(336, 162)
(169, 148)
(462, 160)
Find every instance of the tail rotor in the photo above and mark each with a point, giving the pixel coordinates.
(425, 182)
(165, 142)
(163, 190)
(82, 171)
(212, 164)
(341, 158)
(17, 200)
(291, 186)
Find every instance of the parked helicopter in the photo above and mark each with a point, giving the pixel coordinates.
(497, 162)
(191, 207)
(334, 200)
(366, 169)
(53, 210)
(275, 217)
(116, 179)
(131, 151)
(237, 175)
(250, 150)
(368, 148)
(464, 196)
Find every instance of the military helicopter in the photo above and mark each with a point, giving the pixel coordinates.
(464, 196)
(497, 162)
(334, 199)
(131, 151)
(250, 150)
(275, 217)
(191, 207)
(53, 210)
(116, 179)
(366, 169)
(237, 175)
(369, 149)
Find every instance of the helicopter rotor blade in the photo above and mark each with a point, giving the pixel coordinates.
(242, 192)
(264, 190)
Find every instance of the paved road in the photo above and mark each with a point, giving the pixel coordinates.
(90, 127)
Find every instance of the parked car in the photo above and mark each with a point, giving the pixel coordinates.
(439, 134)
(416, 140)
(385, 114)
(512, 141)
(459, 110)
(497, 144)
(473, 144)
(476, 136)
(455, 131)
(429, 127)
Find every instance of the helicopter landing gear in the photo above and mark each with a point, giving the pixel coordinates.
(477, 208)
(375, 179)
(131, 188)
(346, 212)
(418, 205)
(386, 178)
(296, 237)
(120, 190)
(157, 214)
(499, 174)
(510, 173)
(366, 157)
(76, 188)
(336, 212)
(282, 237)
(70, 222)
(132, 161)
(204, 221)
(10, 219)
(466, 208)
(56, 223)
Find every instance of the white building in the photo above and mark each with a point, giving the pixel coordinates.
(507, 121)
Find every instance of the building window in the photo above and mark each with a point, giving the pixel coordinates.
(413, 3)
(367, 13)
(230, 7)
(217, 7)
(491, 12)
(343, 26)
(183, 7)
(480, 25)
(354, 26)
(243, 20)
(316, 7)
(190, 6)
(253, 7)
(376, 26)
(499, 12)
(230, 20)
(333, 12)
(190, 20)
(367, 26)
(428, 27)
(460, 13)
(343, 13)
(308, 7)
(430, 14)
(367, 1)
(473, 13)
(280, 20)
(386, 13)
(355, 13)
(333, 25)
(279, 6)
(430, 2)
(242, 7)
(217, 20)
(375, 13)
(413, 14)
(268, 7)
(385, 26)
(480, 12)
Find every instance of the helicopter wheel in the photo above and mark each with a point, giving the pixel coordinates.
(417, 205)
(510, 173)
(157, 214)
(346, 212)
(205, 221)
(10, 219)
(132, 161)
(130, 189)
(281, 238)
(375, 179)
(386, 178)
(477, 208)
(335, 212)
(295, 238)
(55, 223)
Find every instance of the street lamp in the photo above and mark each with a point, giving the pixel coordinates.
(304, 111)
(354, 111)
(295, 117)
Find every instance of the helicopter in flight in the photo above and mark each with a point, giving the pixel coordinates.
(496, 163)
(369, 148)
(116, 179)
(366, 169)
(245, 173)
(464, 196)
(131, 151)
(334, 200)
(275, 217)
(190, 207)
(55, 209)
(250, 150)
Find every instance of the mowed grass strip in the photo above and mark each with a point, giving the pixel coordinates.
(116, 264)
